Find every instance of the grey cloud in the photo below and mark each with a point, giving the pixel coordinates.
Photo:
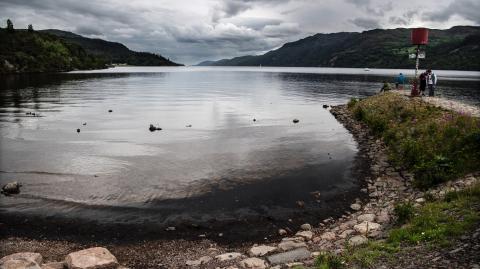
(87, 30)
(191, 31)
(398, 21)
(468, 9)
(366, 23)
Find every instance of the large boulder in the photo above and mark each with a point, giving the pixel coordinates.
(28, 256)
(92, 258)
(19, 264)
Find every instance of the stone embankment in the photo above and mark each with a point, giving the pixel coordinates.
(365, 220)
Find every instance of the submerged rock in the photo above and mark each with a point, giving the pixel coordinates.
(153, 128)
(296, 120)
(110, 111)
(11, 188)
(325, 106)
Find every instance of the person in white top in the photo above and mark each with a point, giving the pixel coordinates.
(431, 82)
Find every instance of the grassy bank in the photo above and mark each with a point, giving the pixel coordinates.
(436, 145)
(432, 225)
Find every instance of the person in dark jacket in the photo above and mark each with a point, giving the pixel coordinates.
(423, 83)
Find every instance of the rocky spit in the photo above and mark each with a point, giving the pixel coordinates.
(365, 220)
(453, 105)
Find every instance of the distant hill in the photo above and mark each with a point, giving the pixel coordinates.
(457, 48)
(24, 51)
(112, 52)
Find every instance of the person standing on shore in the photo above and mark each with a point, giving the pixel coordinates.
(423, 83)
(400, 82)
(431, 81)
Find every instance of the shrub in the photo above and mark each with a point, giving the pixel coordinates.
(404, 212)
(327, 260)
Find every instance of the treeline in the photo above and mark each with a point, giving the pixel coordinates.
(455, 48)
(26, 50)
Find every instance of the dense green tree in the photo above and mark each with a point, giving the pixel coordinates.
(10, 26)
(30, 28)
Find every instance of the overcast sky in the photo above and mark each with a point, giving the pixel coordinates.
(190, 31)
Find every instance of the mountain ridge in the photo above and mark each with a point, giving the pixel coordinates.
(454, 48)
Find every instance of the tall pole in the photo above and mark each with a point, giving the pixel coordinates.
(417, 61)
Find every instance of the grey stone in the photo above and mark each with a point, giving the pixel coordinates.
(305, 234)
(289, 256)
(92, 258)
(19, 264)
(288, 245)
(328, 236)
(11, 188)
(366, 226)
(282, 231)
(228, 256)
(54, 265)
(253, 263)
(261, 250)
(27, 256)
(366, 217)
(356, 206)
(357, 240)
(306, 227)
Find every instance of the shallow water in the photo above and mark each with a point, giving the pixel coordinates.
(223, 166)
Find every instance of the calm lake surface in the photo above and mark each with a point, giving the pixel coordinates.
(224, 166)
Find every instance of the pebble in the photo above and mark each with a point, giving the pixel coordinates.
(306, 227)
(282, 232)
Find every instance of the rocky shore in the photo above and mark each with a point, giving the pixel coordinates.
(366, 219)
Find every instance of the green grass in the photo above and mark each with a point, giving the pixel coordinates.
(436, 222)
(435, 144)
(434, 225)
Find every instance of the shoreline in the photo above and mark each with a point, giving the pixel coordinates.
(368, 218)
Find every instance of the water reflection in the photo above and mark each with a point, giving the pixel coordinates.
(115, 161)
